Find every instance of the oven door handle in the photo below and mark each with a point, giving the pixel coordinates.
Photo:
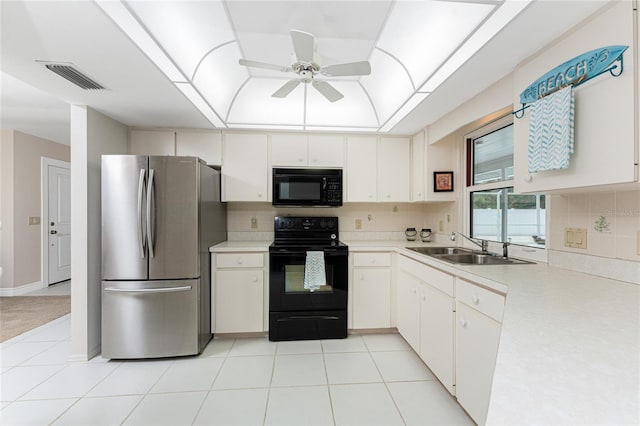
(308, 317)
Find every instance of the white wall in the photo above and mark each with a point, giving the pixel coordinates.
(92, 135)
(21, 198)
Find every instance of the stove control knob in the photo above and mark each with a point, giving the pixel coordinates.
(332, 224)
(323, 224)
(289, 224)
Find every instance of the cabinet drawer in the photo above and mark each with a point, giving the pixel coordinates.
(372, 259)
(239, 260)
(438, 279)
(483, 300)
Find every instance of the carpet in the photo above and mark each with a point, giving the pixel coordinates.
(20, 314)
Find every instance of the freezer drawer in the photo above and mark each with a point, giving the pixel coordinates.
(150, 319)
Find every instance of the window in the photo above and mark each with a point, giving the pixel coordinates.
(496, 212)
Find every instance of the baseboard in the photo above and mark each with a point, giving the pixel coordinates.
(19, 291)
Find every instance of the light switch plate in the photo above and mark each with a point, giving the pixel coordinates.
(254, 222)
(575, 237)
(638, 244)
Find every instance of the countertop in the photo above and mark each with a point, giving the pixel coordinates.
(569, 348)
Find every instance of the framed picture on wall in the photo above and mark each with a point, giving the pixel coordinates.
(442, 181)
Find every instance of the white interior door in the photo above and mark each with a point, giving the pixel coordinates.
(59, 224)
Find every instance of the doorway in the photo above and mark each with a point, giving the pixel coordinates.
(56, 221)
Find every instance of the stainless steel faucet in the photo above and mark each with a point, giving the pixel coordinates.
(483, 244)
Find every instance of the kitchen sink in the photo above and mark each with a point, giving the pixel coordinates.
(481, 259)
(463, 256)
(429, 251)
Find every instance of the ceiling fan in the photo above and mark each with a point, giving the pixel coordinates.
(307, 69)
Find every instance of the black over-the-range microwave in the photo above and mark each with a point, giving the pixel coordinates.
(307, 187)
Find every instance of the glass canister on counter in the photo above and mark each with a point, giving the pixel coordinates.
(425, 235)
(411, 234)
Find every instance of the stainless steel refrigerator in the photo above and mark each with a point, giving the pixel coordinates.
(160, 215)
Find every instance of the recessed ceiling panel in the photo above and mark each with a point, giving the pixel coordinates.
(254, 104)
(219, 77)
(354, 110)
(388, 85)
(187, 30)
(423, 34)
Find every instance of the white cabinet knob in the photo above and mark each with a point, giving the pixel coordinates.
(475, 299)
(361, 277)
(419, 194)
(373, 260)
(388, 195)
(463, 323)
(414, 290)
(259, 194)
(239, 261)
(300, 160)
(527, 178)
(370, 195)
(254, 279)
(424, 298)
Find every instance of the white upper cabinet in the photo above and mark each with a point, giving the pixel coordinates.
(418, 166)
(362, 175)
(394, 179)
(245, 172)
(605, 142)
(326, 150)
(206, 145)
(289, 150)
(300, 150)
(152, 142)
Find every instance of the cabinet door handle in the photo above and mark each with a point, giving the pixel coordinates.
(254, 279)
(373, 260)
(239, 261)
(463, 323)
(414, 290)
(475, 299)
(424, 298)
(361, 277)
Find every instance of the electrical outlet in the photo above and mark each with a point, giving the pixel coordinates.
(369, 217)
(34, 220)
(254, 222)
(395, 209)
(638, 244)
(448, 218)
(358, 223)
(440, 226)
(575, 237)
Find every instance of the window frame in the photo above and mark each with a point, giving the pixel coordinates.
(522, 250)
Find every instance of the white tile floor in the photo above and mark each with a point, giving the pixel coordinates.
(362, 380)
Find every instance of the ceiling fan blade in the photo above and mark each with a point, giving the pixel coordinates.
(327, 90)
(286, 89)
(351, 68)
(264, 65)
(303, 45)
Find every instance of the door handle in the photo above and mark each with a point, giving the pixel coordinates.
(151, 192)
(140, 195)
(53, 232)
(148, 290)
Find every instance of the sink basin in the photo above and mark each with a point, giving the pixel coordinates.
(464, 256)
(481, 259)
(430, 251)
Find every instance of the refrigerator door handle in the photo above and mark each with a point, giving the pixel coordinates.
(151, 193)
(148, 290)
(140, 197)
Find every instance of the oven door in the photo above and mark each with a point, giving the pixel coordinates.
(286, 282)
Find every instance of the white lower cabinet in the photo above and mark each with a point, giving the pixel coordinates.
(436, 333)
(408, 317)
(238, 292)
(371, 290)
(478, 312)
(426, 316)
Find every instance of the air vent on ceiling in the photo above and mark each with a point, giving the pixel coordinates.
(69, 72)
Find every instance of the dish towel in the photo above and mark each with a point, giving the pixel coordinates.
(551, 131)
(314, 271)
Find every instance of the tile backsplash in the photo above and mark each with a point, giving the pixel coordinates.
(612, 221)
(248, 221)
